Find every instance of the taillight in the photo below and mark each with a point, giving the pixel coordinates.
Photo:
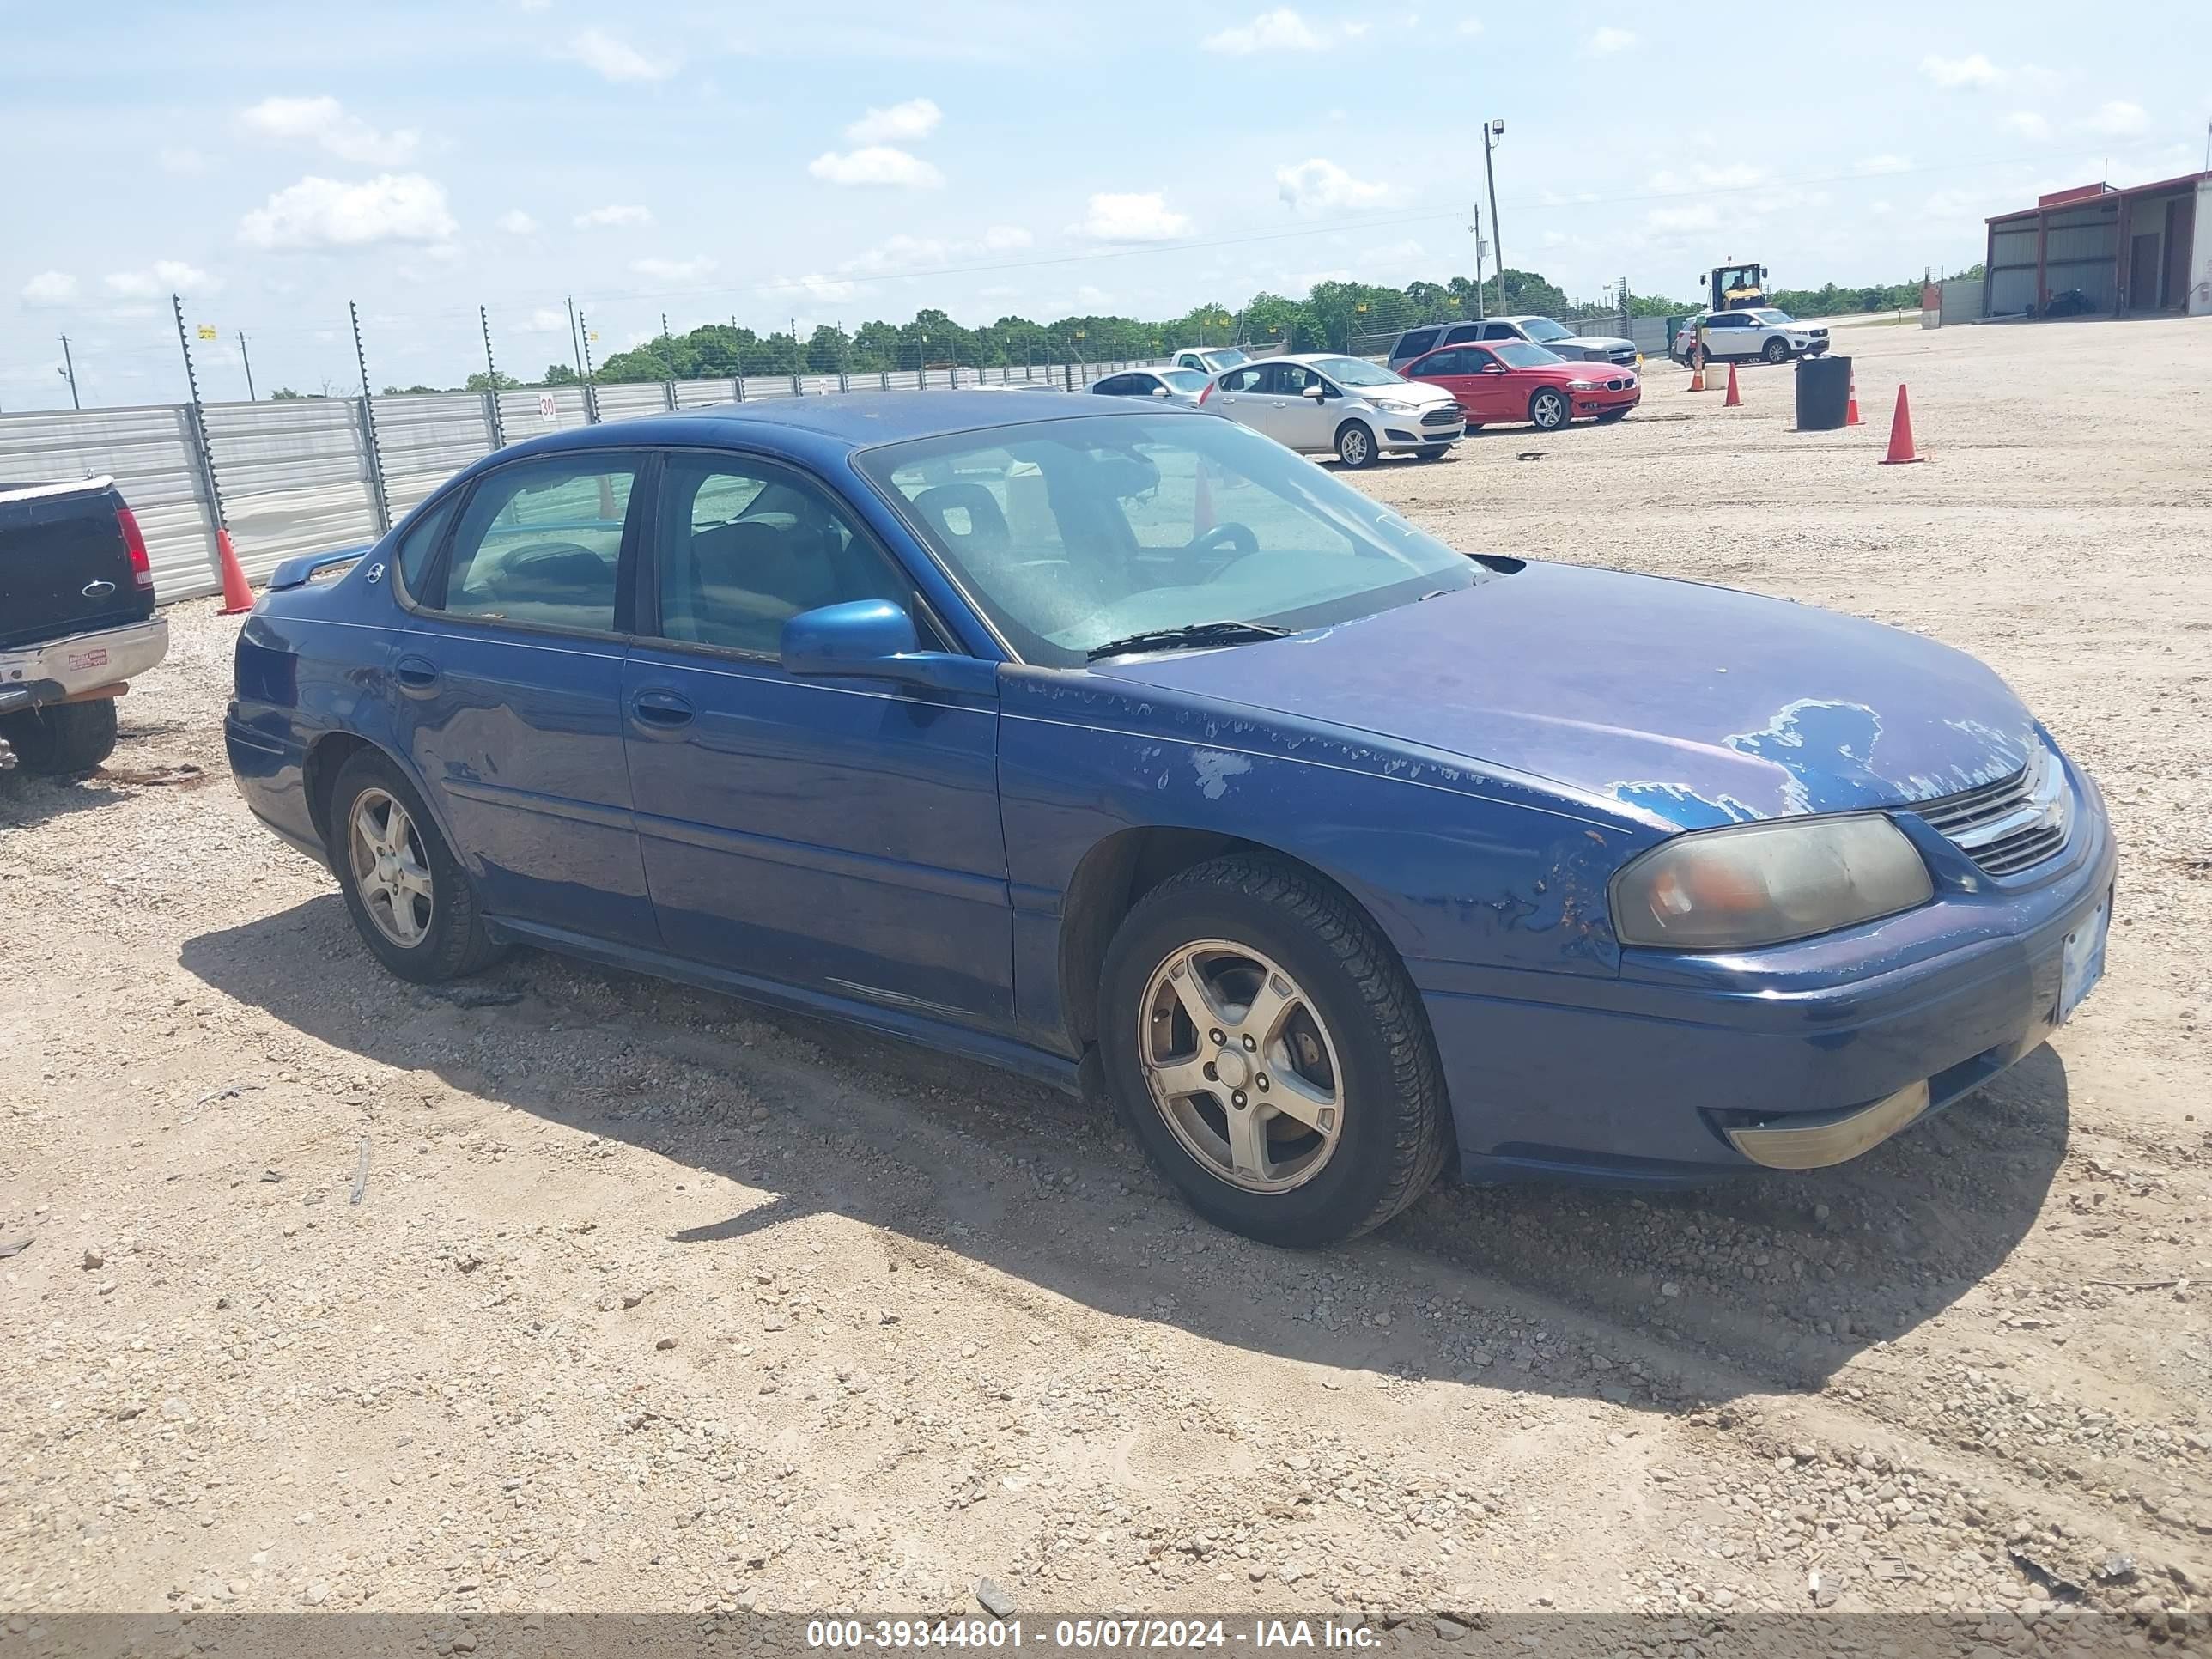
(1208, 392)
(142, 567)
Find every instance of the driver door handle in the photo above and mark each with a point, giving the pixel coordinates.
(662, 710)
(415, 675)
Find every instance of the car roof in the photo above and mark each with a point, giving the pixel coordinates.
(822, 427)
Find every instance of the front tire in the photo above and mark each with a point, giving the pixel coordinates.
(1355, 445)
(1548, 410)
(1776, 351)
(1262, 1042)
(62, 739)
(410, 899)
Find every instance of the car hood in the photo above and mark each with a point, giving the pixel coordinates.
(1596, 342)
(1683, 705)
(1419, 393)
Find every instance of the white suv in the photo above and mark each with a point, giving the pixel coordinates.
(1323, 403)
(1763, 333)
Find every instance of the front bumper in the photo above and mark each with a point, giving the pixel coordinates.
(1586, 404)
(1398, 432)
(1813, 348)
(61, 669)
(1656, 1076)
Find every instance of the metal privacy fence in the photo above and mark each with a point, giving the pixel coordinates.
(308, 475)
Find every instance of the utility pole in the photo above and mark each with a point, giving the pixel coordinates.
(68, 373)
(1481, 306)
(491, 392)
(1491, 132)
(248, 361)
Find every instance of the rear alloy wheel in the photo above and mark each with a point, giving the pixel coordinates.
(410, 902)
(63, 739)
(1776, 350)
(1262, 1041)
(1355, 444)
(1547, 410)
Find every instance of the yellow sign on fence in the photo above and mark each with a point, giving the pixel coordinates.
(208, 333)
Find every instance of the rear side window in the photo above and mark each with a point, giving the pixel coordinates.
(1501, 331)
(1416, 342)
(541, 542)
(1245, 380)
(419, 546)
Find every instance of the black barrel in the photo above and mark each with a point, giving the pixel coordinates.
(1824, 393)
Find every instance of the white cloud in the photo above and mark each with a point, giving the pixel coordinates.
(1972, 70)
(901, 252)
(515, 223)
(1702, 217)
(998, 291)
(1609, 39)
(1133, 217)
(1470, 26)
(819, 288)
(673, 270)
(615, 59)
(544, 320)
(162, 277)
(1001, 239)
(917, 117)
(324, 213)
(50, 287)
(613, 214)
(1885, 163)
(1702, 175)
(1280, 30)
(323, 123)
(876, 164)
(173, 159)
(1318, 184)
(2029, 125)
(2118, 119)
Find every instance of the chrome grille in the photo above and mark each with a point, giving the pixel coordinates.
(2010, 825)
(1441, 417)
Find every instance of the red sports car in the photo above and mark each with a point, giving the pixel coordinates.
(1502, 381)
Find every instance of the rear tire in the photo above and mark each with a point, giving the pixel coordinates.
(62, 739)
(1548, 410)
(1347, 1035)
(1355, 444)
(381, 834)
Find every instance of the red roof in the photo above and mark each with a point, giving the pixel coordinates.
(2096, 193)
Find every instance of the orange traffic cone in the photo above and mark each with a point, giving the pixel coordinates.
(1900, 435)
(1697, 375)
(1851, 408)
(237, 597)
(1733, 396)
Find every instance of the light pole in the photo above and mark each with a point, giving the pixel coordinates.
(1491, 132)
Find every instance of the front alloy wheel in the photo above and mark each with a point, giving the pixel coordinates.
(1547, 411)
(1355, 444)
(1241, 1066)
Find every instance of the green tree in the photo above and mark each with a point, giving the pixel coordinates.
(483, 381)
(559, 374)
(284, 394)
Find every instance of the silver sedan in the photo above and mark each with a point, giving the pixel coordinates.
(1181, 386)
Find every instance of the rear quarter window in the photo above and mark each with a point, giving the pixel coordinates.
(419, 547)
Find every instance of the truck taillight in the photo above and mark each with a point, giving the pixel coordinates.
(142, 567)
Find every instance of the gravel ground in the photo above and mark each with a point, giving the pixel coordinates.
(652, 1302)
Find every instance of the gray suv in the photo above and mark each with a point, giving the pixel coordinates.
(1553, 337)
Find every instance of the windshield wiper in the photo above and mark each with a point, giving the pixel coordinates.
(1205, 633)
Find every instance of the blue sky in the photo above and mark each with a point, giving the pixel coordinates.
(856, 160)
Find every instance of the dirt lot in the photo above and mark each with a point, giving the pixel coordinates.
(652, 1302)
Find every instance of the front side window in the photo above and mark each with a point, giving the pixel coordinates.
(1541, 329)
(1442, 362)
(1095, 529)
(1290, 379)
(1245, 379)
(1501, 331)
(540, 542)
(744, 547)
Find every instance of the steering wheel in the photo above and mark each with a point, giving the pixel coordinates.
(1237, 538)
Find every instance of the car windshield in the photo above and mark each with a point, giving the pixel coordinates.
(1069, 534)
(1519, 353)
(1543, 328)
(1777, 318)
(1182, 379)
(1357, 371)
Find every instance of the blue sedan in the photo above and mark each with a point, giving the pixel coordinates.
(1120, 746)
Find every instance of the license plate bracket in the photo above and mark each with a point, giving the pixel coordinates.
(2082, 960)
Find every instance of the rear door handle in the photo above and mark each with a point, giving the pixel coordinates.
(662, 710)
(416, 676)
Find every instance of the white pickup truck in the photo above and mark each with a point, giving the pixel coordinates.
(76, 622)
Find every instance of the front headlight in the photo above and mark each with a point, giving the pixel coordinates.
(1582, 385)
(1388, 408)
(1760, 884)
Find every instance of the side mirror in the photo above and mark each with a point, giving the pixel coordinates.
(1159, 392)
(1316, 391)
(874, 639)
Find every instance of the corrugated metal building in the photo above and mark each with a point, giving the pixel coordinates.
(2132, 253)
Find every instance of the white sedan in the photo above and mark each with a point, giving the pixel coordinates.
(1323, 403)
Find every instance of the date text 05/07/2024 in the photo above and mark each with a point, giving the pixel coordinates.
(1141, 1634)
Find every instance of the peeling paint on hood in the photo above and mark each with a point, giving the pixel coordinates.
(1689, 705)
